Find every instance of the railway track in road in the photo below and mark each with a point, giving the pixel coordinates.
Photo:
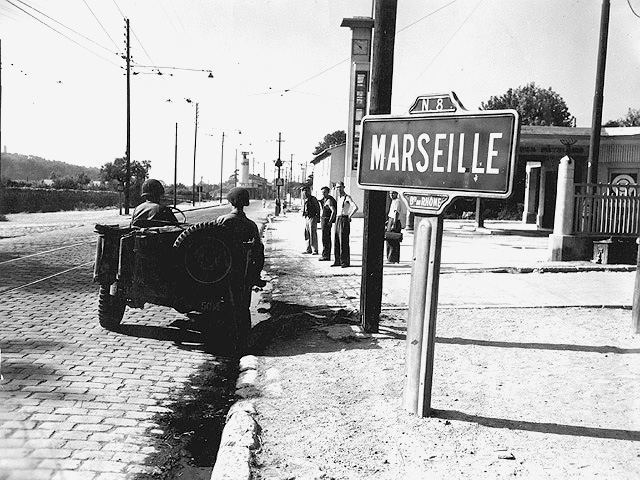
(40, 261)
(33, 268)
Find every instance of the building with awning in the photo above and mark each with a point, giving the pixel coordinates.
(539, 153)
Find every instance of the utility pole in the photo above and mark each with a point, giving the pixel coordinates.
(127, 180)
(278, 165)
(375, 202)
(1, 148)
(221, 164)
(175, 171)
(195, 143)
(291, 176)
(598, 96)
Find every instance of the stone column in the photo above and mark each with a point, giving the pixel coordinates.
(542, 191)
(563, 220)
(529, 214)
(564, 246)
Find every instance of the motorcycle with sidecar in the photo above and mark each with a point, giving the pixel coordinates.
(189, 267)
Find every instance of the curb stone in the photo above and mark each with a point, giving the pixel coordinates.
(241, 433)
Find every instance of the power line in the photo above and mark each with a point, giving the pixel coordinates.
(346, 59)
(102, 26)
(60, 33)
(142, 46)
(426, 16)
(62, 24)
(173, 68)
(443, 47)
(121, 14)
(631, 7)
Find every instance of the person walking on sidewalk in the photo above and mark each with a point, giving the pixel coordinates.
(327, 219)
(394, 227)
(311, 213)
(346, 208)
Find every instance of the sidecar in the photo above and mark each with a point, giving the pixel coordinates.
(191, 268)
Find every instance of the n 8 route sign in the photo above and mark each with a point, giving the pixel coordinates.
(433, 158)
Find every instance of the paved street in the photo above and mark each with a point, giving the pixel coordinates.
(78, 401)
(82, 402)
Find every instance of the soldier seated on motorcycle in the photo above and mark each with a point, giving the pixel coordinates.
(151, 213)
(245, 230)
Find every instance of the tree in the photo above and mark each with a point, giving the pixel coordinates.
(331, 139)
(116, 172)
(631, 120)
(535, 105)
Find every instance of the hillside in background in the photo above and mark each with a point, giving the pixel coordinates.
(16, 166)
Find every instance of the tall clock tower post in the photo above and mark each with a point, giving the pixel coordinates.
(361, 33)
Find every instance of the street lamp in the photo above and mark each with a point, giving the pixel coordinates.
(195, 143)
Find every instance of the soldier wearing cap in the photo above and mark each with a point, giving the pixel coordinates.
(151, 213)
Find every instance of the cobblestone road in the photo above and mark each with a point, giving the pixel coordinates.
(78, 401)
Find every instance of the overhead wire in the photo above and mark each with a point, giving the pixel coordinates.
(60, 33)
(102, 26)
(65, 26)
(632, 10)
(348, 58)
(443, 47)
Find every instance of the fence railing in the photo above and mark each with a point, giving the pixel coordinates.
(606, 209)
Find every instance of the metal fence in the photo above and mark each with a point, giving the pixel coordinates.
(606, 210)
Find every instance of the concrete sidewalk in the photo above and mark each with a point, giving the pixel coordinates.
(481, 262)
(302, 287)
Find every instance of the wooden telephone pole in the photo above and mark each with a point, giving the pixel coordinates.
(127, 180)
(375, 202)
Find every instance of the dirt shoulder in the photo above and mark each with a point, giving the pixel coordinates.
(549, 393)
(528, 393)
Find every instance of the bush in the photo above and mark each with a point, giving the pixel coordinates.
(18, 200)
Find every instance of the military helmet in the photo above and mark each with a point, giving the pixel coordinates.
(238, 197)
(152, 188)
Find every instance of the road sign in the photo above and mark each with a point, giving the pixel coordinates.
(433, 158)
(279, 182)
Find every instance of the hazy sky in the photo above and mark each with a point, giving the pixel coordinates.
(278, 66)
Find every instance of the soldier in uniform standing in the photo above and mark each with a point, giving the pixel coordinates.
(245, 231)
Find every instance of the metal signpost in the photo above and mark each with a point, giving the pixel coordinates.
(437, 152)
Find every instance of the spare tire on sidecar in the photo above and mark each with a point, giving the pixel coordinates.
(191, 268)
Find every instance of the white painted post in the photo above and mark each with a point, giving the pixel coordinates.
(561, 243)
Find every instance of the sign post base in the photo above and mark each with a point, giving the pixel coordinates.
(423, 308)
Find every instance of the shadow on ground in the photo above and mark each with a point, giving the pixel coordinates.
(542, 427)
(290, 322)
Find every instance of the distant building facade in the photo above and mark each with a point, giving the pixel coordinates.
(328, 168)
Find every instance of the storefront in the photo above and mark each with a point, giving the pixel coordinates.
(539, 154)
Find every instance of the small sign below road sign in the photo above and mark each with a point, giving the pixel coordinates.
(436, 155)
